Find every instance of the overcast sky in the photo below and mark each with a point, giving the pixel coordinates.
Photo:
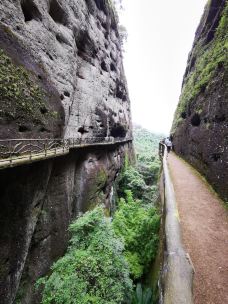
(160, 36)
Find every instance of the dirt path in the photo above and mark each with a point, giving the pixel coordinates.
(205, 232)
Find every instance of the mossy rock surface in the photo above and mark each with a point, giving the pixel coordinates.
(23, 101)
(207, 60)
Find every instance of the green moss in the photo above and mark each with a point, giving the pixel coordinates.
(95, 195)
(21, 98)
(208, 58)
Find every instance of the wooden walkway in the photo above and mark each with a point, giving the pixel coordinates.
(204, 227)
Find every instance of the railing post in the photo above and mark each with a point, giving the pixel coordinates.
(10, 150)
(30, 150)
(45, 147)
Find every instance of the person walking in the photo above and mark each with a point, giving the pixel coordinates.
(168, 144)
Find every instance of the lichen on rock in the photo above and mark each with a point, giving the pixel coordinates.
(199, 128)
(209, 59)
(22, 99)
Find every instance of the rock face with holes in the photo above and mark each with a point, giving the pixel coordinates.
(61, 75)
(64, 70)
(38, 202)
(200, 127)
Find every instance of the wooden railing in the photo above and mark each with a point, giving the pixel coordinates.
(177, 272)
(21, 151)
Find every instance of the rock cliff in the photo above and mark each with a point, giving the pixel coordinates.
(61, 76)
(200, 126)
(61, 70)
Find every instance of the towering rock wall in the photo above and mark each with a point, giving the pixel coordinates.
(200, 126)
(61, 75)
(38, 202)
(71, 81)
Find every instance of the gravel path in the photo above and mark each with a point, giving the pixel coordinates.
(204, 225)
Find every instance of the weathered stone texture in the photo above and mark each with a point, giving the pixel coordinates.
(72, 50)
(37, 204)
(61, 75)
(200, 127)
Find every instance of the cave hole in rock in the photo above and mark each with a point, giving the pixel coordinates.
(18, 27)
(216, 156)
(104, 66)
(221, 65)
(43, 129)
(43, 110)
(119, 94)
(101, 5)
(183, 115)
(82, 130)
(66, 93)
(118, 131)
(112, 67)
(220, 118)
(61, 39)
(57, 13)
(104, 25)
(124, 97)
(49, 55)
(91, 6)
(40, 77)
(195, 120)
(23, 128)
(86, 45)
(203, 88)
(30, 11)
(61, 96)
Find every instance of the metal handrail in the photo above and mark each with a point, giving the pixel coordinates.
(178, 270)
(18, 149)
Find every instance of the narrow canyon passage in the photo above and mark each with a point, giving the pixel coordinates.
(204, 226)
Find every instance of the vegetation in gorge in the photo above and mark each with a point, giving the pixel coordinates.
(142, 295)
(137, 219)
(93, 270)
(138, 227)
(104, 256)
(209, 59)
(141, 178)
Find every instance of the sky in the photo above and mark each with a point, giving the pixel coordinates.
(160, 36)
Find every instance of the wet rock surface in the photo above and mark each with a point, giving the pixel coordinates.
(200, 126)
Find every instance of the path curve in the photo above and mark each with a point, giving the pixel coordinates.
(204, 226)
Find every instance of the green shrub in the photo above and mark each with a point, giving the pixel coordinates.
(142, 296)
(93, 270)
(132, 180)
(138, 227)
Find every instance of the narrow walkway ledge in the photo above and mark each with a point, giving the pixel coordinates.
(16, 152)
(177, 274)
(204, 227)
